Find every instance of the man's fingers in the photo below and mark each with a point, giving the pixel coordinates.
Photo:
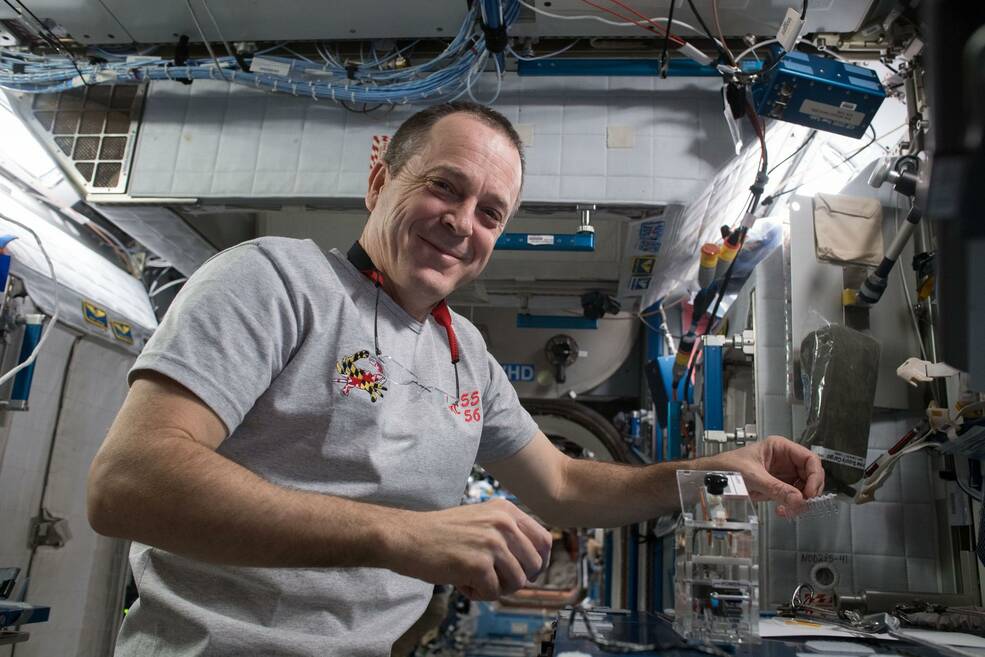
(486, 587)
(815, 482)
(540, 538)
(527, 555)
(806, 463)
(510, 575)
(811, 472)
(791, 499)
(536, 536)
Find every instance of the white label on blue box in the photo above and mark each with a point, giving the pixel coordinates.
(518, 372)
(832, 113)
(540, 240)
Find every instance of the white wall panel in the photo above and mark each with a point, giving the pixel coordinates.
(212, 140)
(25, 438)
(80, 581)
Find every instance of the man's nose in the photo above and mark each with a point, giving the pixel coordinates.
(459, 219)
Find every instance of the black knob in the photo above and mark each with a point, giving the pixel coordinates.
(715, 483)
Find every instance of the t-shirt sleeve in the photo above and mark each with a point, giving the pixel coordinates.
(507, 426)
(228, 333)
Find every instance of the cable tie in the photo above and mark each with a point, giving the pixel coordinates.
(496, 38)
(314, 96)
(294, 88)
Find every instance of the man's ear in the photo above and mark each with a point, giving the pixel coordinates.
(378, 177)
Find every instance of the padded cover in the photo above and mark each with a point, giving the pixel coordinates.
(839, 367)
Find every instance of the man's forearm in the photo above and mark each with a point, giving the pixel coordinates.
(192, 501)
(598, 494)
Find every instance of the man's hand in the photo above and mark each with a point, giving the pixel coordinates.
(777, 469)
(486, 550)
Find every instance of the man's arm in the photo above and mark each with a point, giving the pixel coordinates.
(571, 492)
(158, 480)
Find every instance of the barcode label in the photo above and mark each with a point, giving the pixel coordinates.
(841, 458)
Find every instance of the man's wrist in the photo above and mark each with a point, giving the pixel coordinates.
(383, 538)
(711, 462)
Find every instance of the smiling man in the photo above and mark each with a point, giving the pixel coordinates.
(291, 455)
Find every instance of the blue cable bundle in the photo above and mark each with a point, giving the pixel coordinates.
(446, 77)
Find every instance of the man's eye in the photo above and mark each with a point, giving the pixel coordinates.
(493, 214)
(441, 184)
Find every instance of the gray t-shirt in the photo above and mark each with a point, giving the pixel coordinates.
(277, 338)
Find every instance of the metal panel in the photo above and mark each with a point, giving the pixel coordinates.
(163, 232)
(885, 545)
(738, 17)
(272, 20)
(816, 289)
(603, 350)
(213, 140)
(122, 21)
(84, 580)
(87, 21)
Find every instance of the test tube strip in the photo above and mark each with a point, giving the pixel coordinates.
(822, 506)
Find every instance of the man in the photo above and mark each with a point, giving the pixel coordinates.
(291, 454)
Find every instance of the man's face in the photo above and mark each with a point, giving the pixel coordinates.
(435, 224)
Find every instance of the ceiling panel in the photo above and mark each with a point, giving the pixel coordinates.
(737, 17)
(119, 21)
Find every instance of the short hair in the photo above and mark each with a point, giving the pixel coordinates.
(412, 133)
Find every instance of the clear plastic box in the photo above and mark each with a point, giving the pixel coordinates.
(716, 584)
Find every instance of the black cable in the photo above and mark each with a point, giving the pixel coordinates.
(772, 197)
(364, 110)
(874, 139)
(718, 300)
(48, 37)
(704, 26)
(803, 12)
(69, 361)
(807, 141)
(42, 28)
(769, 69)
(759, 127)
(663, 55)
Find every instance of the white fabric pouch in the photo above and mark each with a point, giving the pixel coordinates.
(848, 230)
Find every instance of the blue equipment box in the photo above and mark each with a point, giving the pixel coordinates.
(529, 242)
(820, 93)
(21, 613)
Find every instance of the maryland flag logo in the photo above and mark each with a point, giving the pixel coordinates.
(353, 376)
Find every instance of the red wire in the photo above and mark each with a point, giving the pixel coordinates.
(665, 30)
(659, 31)
(618, 15)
